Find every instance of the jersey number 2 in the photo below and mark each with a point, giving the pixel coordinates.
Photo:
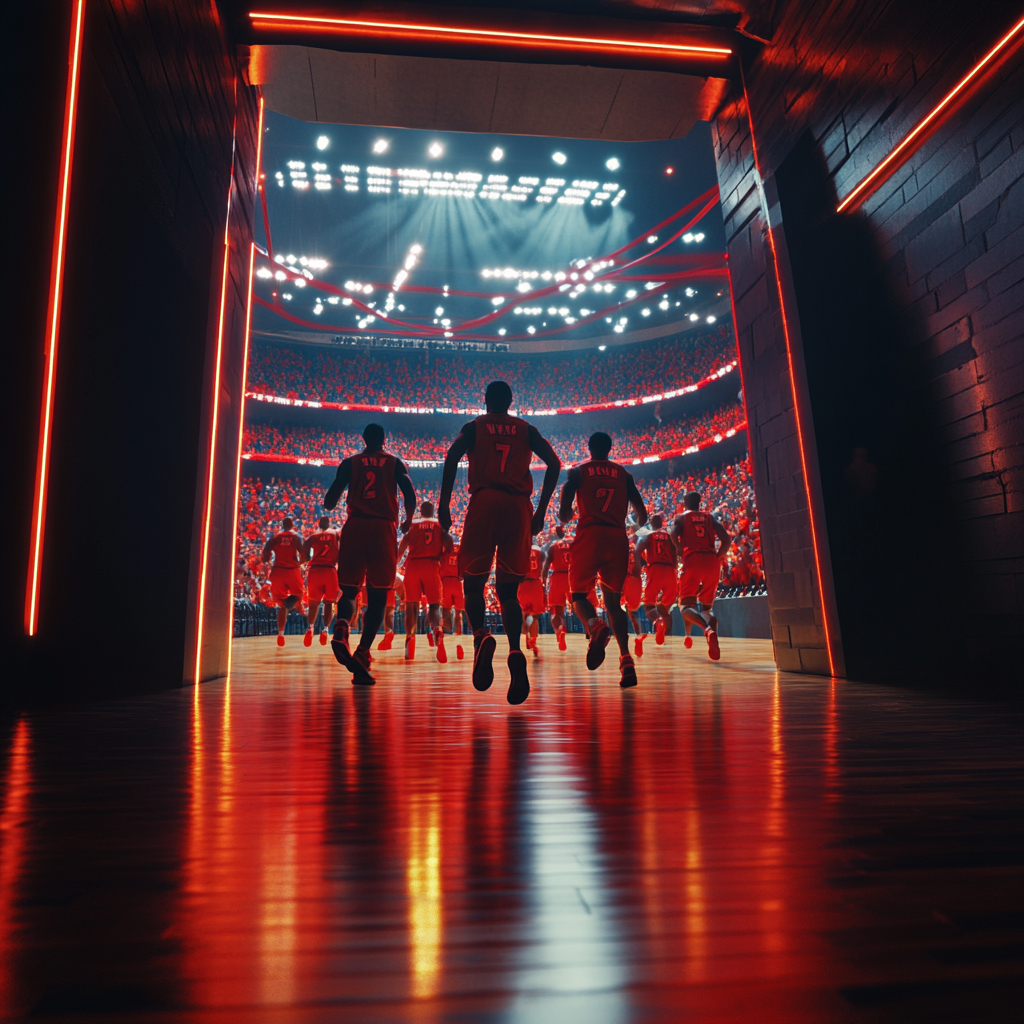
(369, 491)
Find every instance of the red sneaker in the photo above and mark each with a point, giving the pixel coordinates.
(659, 631)
(561, 639)
(599, 637)
(687, 641)
(628, 672)
(410, 647)
(280, 640)
(430, 639)
(385, 644)
(714, 653)
(307, 640)
(442, 654)
(459, 652)
(323, 638)
(638, 645)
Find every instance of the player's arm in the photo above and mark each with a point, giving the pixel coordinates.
(723, 535)
(306, 550)
(267, 549)
(636, 500)
(539, 446)
(404, 482)
(403, 547)
(545, 561)
(446, 542)
(641, 548)
(460, 446)
(341, 480)
(569, 489)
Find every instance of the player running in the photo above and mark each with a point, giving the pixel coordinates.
(531, 599)
(556, 572)
(658, 551)
(320, 550)
(286, 586)
(632, 593)
(369, 545)
(500, 519)
(451, 593)
(695, 533)
(602, 490)
(426, 544)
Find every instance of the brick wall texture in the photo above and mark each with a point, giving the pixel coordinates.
(947, 229)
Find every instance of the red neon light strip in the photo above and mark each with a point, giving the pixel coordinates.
(629, 459)
(889, 165)
(245, 375)
(797, 414)
(488, 34)
(35, 560)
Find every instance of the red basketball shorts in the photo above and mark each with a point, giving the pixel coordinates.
(369, 553)
(285, 583)
(423, 579)
(659, 584)
(451, 593)
(632, 592)
(700, 576)
(531, 597)
(496, 522)
(322, 584)
(598, 552)
(558, 590)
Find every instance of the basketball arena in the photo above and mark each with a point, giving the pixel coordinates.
(514, 512)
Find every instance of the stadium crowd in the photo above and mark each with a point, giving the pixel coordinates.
(456, 380)
(728, 493)
(333, 445)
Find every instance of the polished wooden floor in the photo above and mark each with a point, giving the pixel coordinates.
(723, 843)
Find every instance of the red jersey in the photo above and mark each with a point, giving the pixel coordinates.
(602, 493)
(659, 549)
(559, 554)
(697, 533)
(323, 547)
(535, 559)
(425, 539)
(372, 491)
(501, 455)
(286, 548)
(450, 562)
(634, 564)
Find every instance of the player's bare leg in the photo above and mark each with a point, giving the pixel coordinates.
(620, 628)
(532, 632)
(282, 621)
(483, 643)
(311, 614)
(512, 618)
(412, 625)
(558, 624)
(391, 621)
(328, 608)
(638, 641)
(434, 625)
(706, 621)
(359, 667)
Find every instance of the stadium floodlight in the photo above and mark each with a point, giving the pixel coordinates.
(688, 237)
(323, 142)
(645, 312)
(380, 146)
(699, 237)
(631, 294)
(651, 239)
(497, 153)
(612, 164)
(497, 300)
(694, 318)
(559, 158)
(602, 348)
(299, 283)
(435, 149)
(439, 311)
(711, 319)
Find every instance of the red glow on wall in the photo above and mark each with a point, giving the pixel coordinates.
(458, 33)
(921, 131)
(35, 560)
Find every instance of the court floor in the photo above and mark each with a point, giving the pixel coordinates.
(722, 843)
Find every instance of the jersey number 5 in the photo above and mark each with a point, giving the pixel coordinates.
(504, 449)
(369, 491)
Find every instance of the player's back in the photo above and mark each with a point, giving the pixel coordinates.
(372, 491)
(323, 547)
(501, 455)
(287, 549)
(559, 552)
(450, 562)
(425, 539)
(603, 493)
(659, 549)
(696, 531)
(536, 555)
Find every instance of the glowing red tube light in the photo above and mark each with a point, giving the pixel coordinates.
(35, 559)
(895, 159)
(485, 35)
(245, 375)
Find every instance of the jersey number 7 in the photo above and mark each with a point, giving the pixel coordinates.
(607, 493)
(504, 449)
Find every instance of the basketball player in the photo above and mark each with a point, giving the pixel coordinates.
(658, 551)
(394, 601)
(695, 533)
(369, 548)
(500, 519)
(531, 599)
(451, 593)
(425, 543)
(320, 550)
(556, 570)
(632, 593)
(602, 490)
(286, 586)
